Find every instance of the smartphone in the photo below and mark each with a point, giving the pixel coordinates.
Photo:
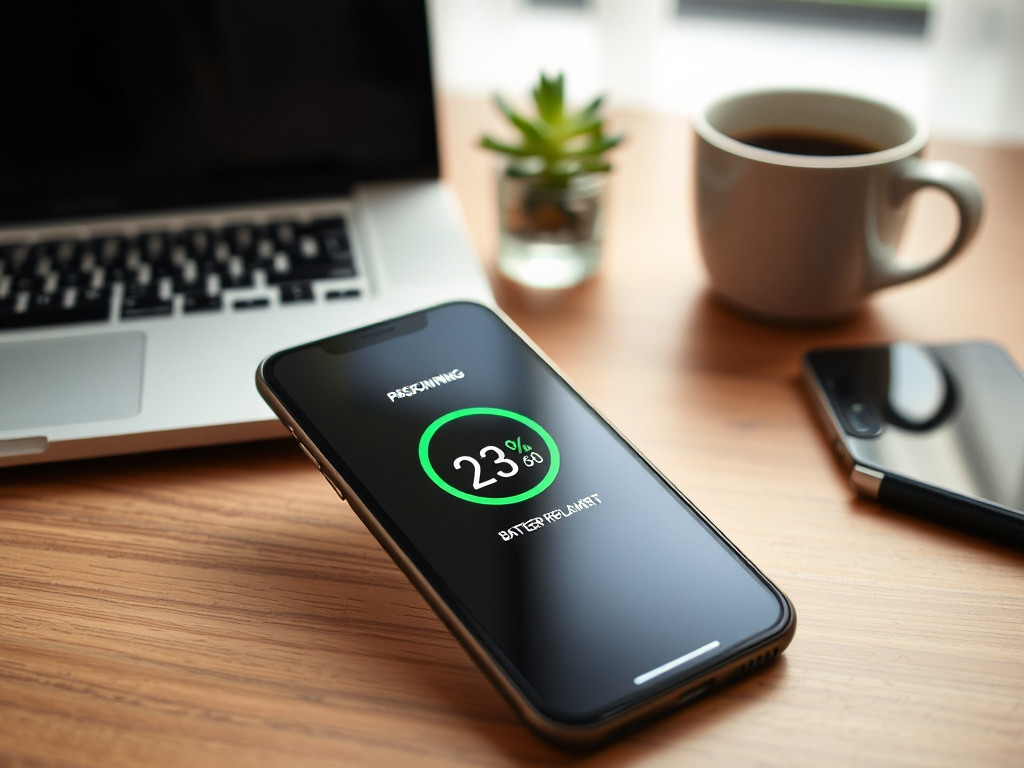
(584, 585)
(937, 430)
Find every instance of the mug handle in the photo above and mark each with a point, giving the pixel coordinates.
(953, 179)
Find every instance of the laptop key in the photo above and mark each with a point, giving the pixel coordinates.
(243, 238)
(143, 277)
(309, 248)
(333, 222)
(108, 252)
(242, 281)
(26, 311)
(42, 264)
(133, 259)
(98, 278)
(88, 261)
(201, 302)
(282, 265)
(91, 298)
(199, 242)
(179, 255)
(154, 245)
(28, 284)
(212, 282)
(110, 248)
(45, 309)
(251, 303)
(336, 244)
(187, 277)
(264, 250)
(236, 274)
(74, 279)
(15, 259)
(221, 252)
(351, 293)
(295, 292)
(145, 301)
(314, 271)
(44, 302)
(283, 233)
(51, 283)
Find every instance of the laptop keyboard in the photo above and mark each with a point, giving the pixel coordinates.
(73, 281)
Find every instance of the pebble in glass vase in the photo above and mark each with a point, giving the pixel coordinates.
(551, 193)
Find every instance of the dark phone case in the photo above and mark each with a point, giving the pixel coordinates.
(892, 488)
(972, 515)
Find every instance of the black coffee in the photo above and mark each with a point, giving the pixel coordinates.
(794, 142)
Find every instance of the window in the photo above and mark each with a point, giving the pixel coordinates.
(901, 16)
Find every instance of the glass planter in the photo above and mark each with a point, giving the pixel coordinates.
(550, 235)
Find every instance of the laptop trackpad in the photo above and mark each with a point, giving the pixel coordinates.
(70, 381)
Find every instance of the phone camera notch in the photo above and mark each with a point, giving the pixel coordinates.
(857, 413)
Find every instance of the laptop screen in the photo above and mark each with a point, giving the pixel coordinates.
(114, 106)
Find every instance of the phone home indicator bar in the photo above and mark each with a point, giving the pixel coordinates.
(641, 679)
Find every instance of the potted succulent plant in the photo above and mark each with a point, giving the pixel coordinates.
(551, 189)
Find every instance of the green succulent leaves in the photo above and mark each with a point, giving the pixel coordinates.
(555, 145)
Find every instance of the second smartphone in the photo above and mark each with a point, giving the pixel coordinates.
(581, 581)
(936, 429)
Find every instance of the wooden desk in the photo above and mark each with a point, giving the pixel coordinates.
(222, 607)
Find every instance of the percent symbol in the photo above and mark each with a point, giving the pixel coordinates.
(517, 445)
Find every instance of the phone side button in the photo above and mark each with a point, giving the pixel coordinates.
(309, 455)
(839, 450)
(337, 490)
(866, 481)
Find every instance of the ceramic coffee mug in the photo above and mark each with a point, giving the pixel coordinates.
(802, 197)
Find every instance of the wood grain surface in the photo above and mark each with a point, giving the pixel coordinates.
(220, 606)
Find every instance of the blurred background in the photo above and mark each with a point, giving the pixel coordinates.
(958, 63)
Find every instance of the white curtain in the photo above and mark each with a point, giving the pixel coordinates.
(966, 75)
(977, 70)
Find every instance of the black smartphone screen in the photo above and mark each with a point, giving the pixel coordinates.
(588, 578)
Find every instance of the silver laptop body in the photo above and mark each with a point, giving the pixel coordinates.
(138, 331)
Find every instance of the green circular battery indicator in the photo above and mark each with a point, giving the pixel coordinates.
(489, 455)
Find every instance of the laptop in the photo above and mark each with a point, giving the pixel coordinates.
(189, 186)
